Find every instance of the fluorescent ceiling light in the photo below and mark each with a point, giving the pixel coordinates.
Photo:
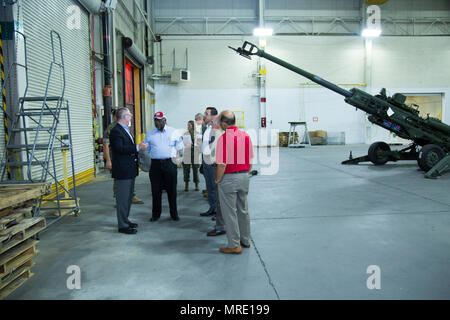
(371, 32)
(262, 32)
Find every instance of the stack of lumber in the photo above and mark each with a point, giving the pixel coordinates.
(17, 227)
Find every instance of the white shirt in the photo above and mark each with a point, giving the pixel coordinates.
(198, 128)
(206, 150)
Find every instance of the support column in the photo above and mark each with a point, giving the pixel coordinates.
(368, 81)
(262, 83)
(367, 69)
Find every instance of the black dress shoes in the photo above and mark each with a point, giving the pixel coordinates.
(128, 230)
(215, 232)
(207, 213)
(153, 219)
(133, 225)
(177, 218)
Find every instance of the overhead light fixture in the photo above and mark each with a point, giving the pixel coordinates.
(371, 32)
(262, 32)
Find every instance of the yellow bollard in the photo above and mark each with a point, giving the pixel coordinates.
(66, 179)
(139, 138)
(64, 149)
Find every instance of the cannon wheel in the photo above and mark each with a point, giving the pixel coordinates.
(374, 153)
(429, 156)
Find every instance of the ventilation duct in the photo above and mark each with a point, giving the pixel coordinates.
(93, 6)
(135, 53)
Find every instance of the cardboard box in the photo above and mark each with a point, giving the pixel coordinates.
(318, 134)
(321, 134)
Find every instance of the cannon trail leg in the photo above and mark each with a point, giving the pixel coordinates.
(356, 160)
(439, 168)
(380, 153)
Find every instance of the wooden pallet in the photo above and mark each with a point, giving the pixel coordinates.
(21, 232)
(15, 265)
(12, 195)
(17, 256)
(15, 273)
(15, 279)
(14, 218)
(50, 208)
(25, 205)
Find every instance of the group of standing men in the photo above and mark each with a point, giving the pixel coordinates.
(226, 155)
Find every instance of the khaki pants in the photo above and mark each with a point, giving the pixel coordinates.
(233, 191)
(220, 224)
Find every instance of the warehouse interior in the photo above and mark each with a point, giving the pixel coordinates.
(375, 228)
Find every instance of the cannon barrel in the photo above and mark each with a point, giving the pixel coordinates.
(390, 113)
(306, 74)
(248, 49)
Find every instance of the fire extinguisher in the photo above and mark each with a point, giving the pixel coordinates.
(263, 122)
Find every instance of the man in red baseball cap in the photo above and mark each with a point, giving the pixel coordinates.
(163, 144)
(159, 115)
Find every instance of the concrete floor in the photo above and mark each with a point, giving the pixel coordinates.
(316, 227)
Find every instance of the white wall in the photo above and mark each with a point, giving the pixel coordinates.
(181, 105)
(221, 78)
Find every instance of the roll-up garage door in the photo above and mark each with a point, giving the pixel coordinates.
(3, 68)
(39, 18)
(2, 134)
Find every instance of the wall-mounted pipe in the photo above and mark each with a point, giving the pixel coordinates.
(174, 63)
(107, 71)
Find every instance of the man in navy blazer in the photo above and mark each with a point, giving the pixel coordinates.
(124, 167)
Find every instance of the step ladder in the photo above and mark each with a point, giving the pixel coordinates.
(303, 141)
(32, 138)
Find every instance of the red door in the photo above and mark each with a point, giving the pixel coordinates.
(129, 92)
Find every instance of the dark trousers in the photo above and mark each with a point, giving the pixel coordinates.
(187, 171)
(163, 175)
(123, 197)
(115, 188)
(209, 171)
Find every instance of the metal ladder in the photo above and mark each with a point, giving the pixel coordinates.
(32, 136)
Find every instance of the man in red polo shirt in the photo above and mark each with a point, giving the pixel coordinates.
(234, 153)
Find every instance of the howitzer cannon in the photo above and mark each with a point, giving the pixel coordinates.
(430, 137)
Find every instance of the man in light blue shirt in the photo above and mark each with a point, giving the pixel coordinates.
(163, 144)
